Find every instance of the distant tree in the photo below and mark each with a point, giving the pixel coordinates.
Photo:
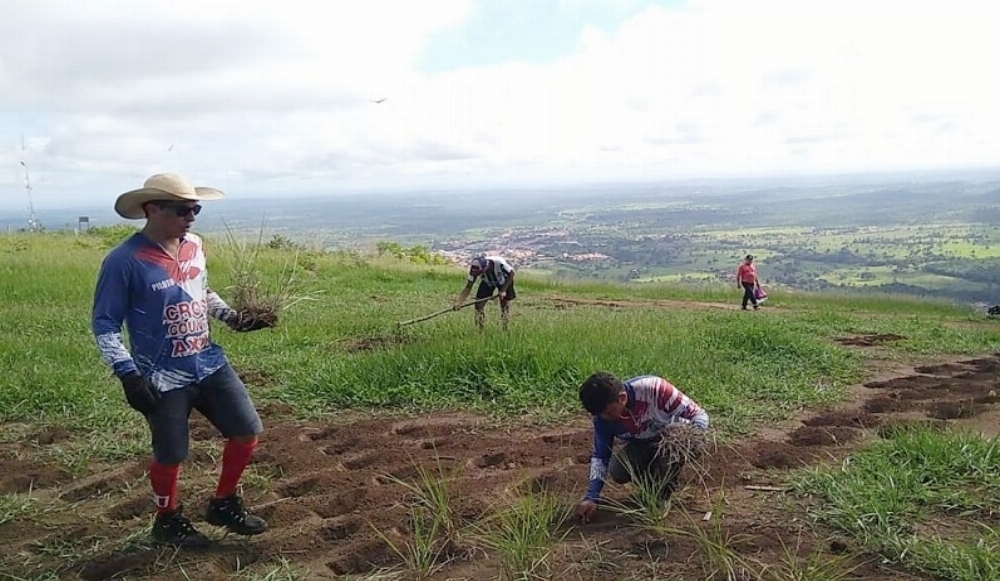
(112, 235)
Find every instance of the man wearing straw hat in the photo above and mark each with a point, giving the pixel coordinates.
(155, 282)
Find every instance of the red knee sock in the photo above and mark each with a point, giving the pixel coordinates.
(235, 458)
(164, 481)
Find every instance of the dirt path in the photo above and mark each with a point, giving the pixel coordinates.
(566, 301)
(323, 487)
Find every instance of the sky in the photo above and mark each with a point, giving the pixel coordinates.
(265, 98)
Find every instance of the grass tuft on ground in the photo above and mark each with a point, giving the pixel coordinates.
(924, 498)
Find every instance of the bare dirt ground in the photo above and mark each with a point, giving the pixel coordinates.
(324, 487)
(567, 301)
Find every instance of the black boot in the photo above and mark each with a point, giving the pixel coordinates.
(173, 528)
(229, 512)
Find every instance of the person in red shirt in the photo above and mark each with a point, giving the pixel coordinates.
(746, 278)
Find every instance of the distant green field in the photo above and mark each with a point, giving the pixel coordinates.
(877, 275)
(955, 240)
(957, 261)
(758, 231)
(675, 278)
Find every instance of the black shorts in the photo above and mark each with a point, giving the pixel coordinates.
(221, 398)
(487, 289)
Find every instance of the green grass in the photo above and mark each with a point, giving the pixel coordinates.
(744, 369)
(728, 364)
(283, 571)
(15, 506)
(434, 526)
(919, 498)
(524, 534)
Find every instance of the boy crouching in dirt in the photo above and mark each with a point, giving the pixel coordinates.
(639, 411)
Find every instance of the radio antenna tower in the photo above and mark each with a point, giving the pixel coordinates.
(33, 224)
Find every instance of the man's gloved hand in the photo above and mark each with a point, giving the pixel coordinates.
(140, 393)
(245, 322)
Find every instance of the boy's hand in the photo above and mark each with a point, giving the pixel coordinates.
(586, 510)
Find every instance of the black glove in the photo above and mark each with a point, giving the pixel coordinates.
(141, 395)
(246, 322)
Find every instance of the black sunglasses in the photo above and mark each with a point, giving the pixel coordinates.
(179, 208)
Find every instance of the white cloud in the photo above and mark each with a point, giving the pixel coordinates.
(250, 96)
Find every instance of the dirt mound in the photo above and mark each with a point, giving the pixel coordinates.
(909, 382)
(957, 392)
(944, 369)
(870, 340)
(823, 438)
(779, 455)
(561, 302)
(824, 435)
(851, 418)
(944, 410)
(256, 377)
(887, 404)
(370, 343)
(18, 475)
(51, 435)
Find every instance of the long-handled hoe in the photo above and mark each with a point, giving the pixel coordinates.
(443, 311)
(395, 335)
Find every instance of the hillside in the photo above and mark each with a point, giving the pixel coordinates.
(905, 234)
(361, 413)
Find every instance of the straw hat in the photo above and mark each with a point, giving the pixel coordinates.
(162, 186)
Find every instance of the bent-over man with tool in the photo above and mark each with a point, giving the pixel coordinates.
(497, 275)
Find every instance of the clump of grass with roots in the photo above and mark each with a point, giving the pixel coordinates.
(683, 443)
(681, 447)
(687, 446)
(249, 294)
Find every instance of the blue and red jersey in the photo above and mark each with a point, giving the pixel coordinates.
(164, 303)
(653, 403)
